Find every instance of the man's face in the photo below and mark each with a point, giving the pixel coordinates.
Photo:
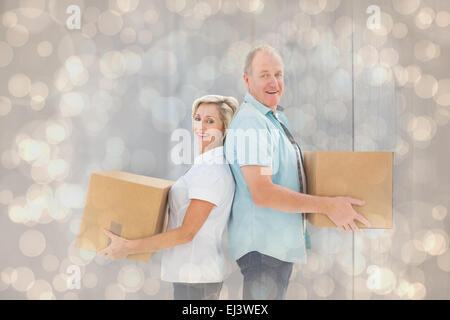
(265, 83)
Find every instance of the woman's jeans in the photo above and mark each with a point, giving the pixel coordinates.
(265, 277)
(196, 291)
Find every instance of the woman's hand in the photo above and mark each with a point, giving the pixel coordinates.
(117, 249)
(343, 215)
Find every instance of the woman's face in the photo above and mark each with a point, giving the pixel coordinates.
(207, 126)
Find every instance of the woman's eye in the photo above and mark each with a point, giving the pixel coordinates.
(210, 121)
(197, 119)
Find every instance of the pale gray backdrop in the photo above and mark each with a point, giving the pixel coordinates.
(109, 95)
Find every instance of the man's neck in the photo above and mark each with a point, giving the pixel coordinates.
(273, 108)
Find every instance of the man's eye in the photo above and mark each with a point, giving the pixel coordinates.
(264, 76)
(279, 75)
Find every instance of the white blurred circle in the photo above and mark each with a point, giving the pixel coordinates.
(414, 73)
(32, 243)
(6, 54)
(22, 278)
(73, 103)
(400, 30)
(425, 50)
(113, 64)
(32, 8)
(115, 291)
(442, 96)
(9, 19)
(439, 212)
(17, 35)
(417, 291)
(127, 5)
(426, 87)
(38, 91)
(296, 291)
(435, 242)
(425, 18)
(422, 128)
(443, 261)
(323, 286)
(152, 286)
(5, 105)
(19, 85)
(443, 19)
(131, 278)
(406, 7)
(175, 5)
(382, 281)
(110, 23)
(60, 282)
(312, 7)
(40, 290)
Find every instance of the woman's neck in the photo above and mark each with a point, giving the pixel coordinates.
(208, 148)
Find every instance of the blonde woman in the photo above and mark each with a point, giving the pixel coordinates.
(199, 206)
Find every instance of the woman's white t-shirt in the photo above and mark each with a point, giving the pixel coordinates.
(202, 260)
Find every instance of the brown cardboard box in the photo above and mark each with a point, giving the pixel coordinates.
(129, 205)
(363, 175)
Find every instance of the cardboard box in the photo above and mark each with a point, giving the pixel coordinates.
(129, 205)
(363, 175)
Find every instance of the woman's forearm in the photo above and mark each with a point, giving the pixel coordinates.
(159, 241)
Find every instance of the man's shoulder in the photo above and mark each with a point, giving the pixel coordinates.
(247, 113)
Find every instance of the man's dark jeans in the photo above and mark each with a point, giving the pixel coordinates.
(265, 277)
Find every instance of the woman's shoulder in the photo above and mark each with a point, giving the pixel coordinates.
(218, 172)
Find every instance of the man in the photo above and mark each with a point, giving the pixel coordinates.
(266, 234)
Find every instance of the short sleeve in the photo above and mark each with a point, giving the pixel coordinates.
(205, 183)
(249, 142)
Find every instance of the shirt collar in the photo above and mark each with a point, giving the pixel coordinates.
(213, 156)
(258, 105)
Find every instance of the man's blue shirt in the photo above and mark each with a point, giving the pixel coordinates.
(256, 138)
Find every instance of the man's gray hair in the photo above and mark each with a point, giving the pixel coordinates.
(252, 53)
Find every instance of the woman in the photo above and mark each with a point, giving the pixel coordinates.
(199, 206)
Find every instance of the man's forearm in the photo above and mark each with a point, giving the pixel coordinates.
(283, 199)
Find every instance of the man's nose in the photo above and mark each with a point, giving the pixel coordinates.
(272, 81)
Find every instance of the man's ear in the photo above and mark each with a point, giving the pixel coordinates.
(246, 80)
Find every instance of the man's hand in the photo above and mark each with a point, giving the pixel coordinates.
(117, 249)
(343, 215)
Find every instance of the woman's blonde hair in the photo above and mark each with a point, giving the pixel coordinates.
(227, 107)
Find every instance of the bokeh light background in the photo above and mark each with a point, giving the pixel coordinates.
(108, 96)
